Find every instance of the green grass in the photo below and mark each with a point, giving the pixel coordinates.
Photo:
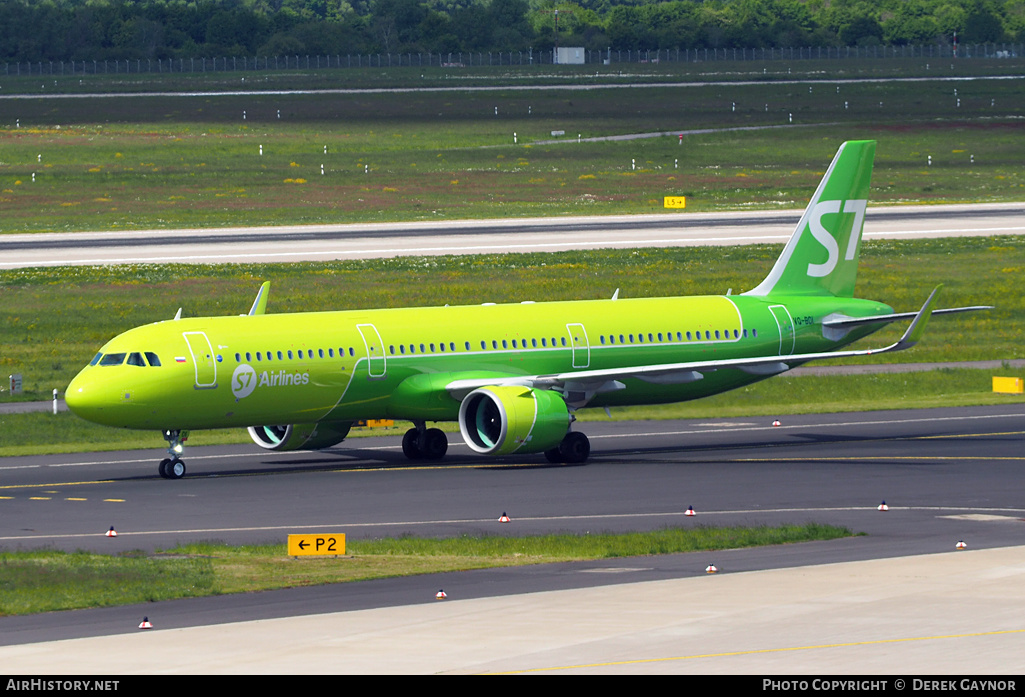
(55, 319)
(47, 580)
(145, 162)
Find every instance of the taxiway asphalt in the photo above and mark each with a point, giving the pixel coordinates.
(898, 597)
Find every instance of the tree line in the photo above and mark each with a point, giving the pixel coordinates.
(59, 30)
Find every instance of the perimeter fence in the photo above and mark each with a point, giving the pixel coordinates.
(460, 59)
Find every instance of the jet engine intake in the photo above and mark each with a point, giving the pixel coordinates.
(300, 436)
(513, 419)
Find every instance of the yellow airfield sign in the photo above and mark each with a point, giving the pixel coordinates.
(324, 543)
(675, 202)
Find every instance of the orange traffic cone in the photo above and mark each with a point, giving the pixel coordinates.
(111, 533)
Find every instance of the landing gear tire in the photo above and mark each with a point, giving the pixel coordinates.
(171, 468)
(554, 456)
(411, 444)
(435, 444)
(431, 446)
(574, 448)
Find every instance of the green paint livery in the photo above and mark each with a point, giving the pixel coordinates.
(510, 375)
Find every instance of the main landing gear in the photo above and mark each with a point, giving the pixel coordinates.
(422, 443)
(574, 449)
(173, 467)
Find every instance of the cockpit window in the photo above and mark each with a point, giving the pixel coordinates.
(136, 359)
(152, 358)
(96, 359)
(113, 359)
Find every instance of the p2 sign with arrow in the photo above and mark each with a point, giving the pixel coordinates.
(313, 544)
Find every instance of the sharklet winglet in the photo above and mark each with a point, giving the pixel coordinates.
(260, 303)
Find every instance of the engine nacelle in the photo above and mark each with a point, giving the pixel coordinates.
(300, 436)
(512, 419)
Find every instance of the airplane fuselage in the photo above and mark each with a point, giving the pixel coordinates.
(217, 372)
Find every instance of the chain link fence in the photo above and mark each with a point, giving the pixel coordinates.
(460, 59)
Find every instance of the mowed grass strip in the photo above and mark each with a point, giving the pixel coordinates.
(168, 162)
(47, 580)
(55, 319)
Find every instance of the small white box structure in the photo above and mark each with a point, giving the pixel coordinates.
(571, 55)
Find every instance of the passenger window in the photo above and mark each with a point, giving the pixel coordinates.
(152, 358)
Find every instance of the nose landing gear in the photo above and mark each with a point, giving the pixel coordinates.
(173, 467)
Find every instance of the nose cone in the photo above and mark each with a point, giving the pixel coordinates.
(91, 399)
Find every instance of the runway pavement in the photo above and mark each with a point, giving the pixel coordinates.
(427, 238)
(898, 599)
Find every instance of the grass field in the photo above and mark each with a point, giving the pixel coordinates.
(55, 319)
(144, 161)
(47, 580)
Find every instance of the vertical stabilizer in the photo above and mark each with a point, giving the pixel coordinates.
(821, 257)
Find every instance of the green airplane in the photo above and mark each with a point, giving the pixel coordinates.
(511, 375)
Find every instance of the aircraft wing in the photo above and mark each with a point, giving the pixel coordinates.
(590, 382)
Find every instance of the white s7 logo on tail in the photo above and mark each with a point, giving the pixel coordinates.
(819, 231)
